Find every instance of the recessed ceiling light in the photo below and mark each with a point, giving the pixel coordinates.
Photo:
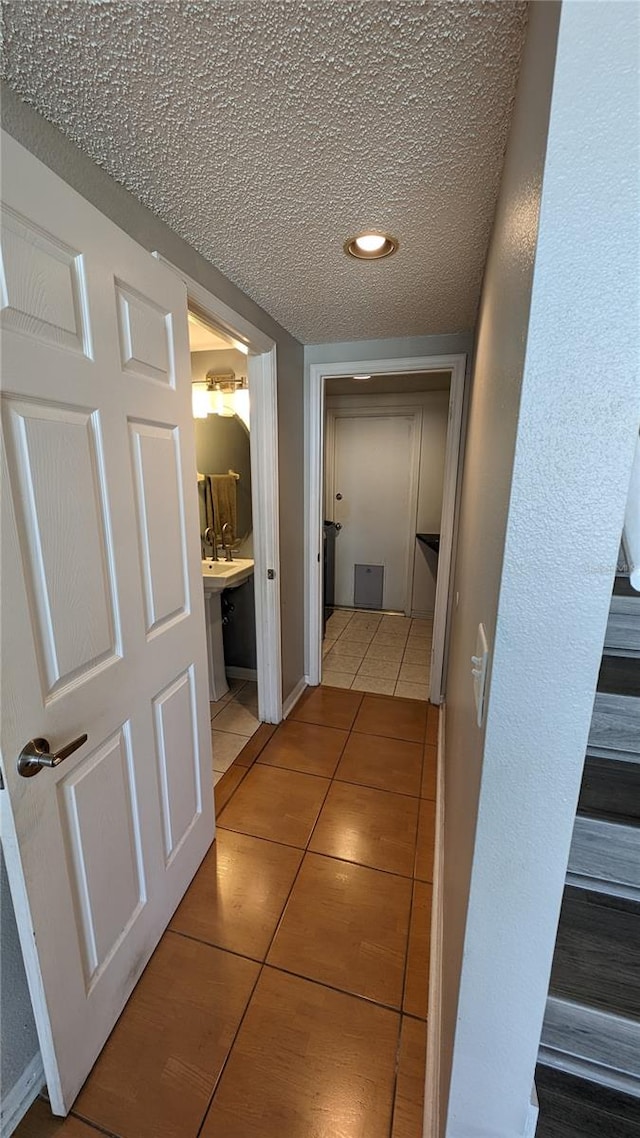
(370, 246)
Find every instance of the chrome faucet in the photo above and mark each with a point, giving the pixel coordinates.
(210, 539)
(227, 548)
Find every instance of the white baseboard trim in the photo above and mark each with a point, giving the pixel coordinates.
(432, 1082)
(17, 1101)
(242, 673)
(294, 696)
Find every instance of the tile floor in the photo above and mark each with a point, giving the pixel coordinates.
(234, 719)
(386, 654)
(288, 997)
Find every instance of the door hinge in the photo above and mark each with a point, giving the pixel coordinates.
(1, 781)
(271, 573)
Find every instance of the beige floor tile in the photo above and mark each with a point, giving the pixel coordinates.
(347, 926)
(307, 1062)
(392, 653)
(336, 662)
(420, 655)
(327, 645)
(383, 669)
(421, 637)
(412, 691)
(369, 826)
(277, 804)
(414, 673)
(237, 896)
(158, 1069)
(237, 719)
(373, 684)
(359, 636)
(334, 679)
(383, 637)
(215, 707)
(421, 623)
(225, 747)
(354, 649)
(408, 1109)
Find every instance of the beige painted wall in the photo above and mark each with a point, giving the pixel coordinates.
(492, 426)
(552, 429)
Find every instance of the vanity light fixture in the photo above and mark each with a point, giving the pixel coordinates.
(221, 393)
(370, 246)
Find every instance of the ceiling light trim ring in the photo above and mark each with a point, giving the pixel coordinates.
(352, 249)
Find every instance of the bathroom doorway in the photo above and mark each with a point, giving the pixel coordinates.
(238, 347)
(222, 427)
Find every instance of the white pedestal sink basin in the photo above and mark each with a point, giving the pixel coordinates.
(216, 576)
(219, 575)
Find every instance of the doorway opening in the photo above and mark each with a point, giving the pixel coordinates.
(383, 443)
(222, 426)
(234, 372)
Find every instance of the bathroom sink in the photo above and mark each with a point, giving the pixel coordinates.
(219, 575)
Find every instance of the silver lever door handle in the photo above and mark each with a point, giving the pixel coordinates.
(37, 754)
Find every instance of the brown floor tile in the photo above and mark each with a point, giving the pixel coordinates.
(416, 988)
(388, 764)
(237, 896)
(254, 745)
(39, 1122)
(426, 840)
(331, 707)
(229, 782)
(346, 926)
(433, 719)
(408, 1109)
(308, 1063)
(429, 772)
(393, 718)
(277, 804)
(305, 747)
(372, 827)
(155, 1076)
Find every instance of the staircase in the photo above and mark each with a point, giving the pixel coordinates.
(592, 1022)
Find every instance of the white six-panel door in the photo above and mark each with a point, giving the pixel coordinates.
(102, 609)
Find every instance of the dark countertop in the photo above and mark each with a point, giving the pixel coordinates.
(430, 539)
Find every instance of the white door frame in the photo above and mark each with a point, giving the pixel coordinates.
(314, 450)
(369, 410)
(263, 394)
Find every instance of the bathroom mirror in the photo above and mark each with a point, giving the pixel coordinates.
(222, 451)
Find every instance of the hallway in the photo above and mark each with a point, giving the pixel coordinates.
(288, 998)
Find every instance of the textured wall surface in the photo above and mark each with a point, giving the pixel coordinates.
(553, 419)
(266, 132)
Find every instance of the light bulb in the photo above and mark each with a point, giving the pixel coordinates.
(370, 242)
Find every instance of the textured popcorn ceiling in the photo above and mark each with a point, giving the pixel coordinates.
(266, 132)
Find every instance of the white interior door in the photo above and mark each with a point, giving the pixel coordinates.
(102, 609)
(373, 486)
